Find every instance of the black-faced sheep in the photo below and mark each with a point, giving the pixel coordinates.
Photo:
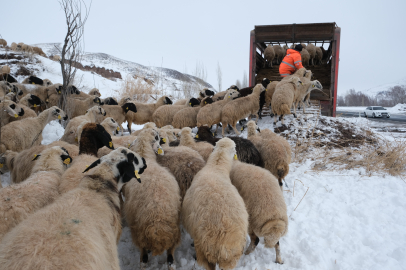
(275, 150)
(246, 150)
(93, 137)
(203, 148)
(211, 114)
(18, 201)
(241, 108)
(187, 117)
(164, 115)
(89, 215)
(7, 77)
(145, 111)
(214, 213)
(152, 209)
(33, 80)
(110, 101)
(20, 135)
(265, 205)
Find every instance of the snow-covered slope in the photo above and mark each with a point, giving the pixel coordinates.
(373, 91)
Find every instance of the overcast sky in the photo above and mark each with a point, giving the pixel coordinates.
(181, 33)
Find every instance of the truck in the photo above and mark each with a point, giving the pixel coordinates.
(319, 34)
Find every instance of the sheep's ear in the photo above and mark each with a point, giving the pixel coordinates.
(94, 164)
(36, 157)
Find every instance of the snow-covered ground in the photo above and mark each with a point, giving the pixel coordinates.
(337, 219)
(399, 108)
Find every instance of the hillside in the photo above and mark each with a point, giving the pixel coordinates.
(168, 81)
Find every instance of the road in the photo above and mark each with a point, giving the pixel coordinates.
(394, 118)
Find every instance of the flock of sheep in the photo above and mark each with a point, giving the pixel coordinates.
(21, 47)
(67, 200)
(311, 54)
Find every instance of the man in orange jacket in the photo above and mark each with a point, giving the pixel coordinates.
(291, 62)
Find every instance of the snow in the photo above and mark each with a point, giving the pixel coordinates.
(399, 108)
(338, 219)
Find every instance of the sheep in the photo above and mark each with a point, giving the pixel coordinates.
(187, 117)
(270, 90)
(94, 92)
(110, 101)
(3, 42)
(31, 101)
(146, 126)
(20, 135)
(38, 90)
(211, 113)
(213, 212)
(246, 151)
(93, 137)
(265, 205)
(279, 53)
(144, 112)
(164, 115)
(183, 162)
(18, 201)
(203, 148)
(319, 56)
(76, 107)
(47, 82)
(8, 111)
(33, 80)
(241, 108)
(96, 114)
(20, 164)
(305, 57)
(5, 69)
(304, 91)
(248, 91)
(283, 97)
(152, 209)
(89, 215)
(39, 51)
(13, 46)
(7, 77)
(219, 96)
(312, 52)
(5, 88)
(274, 149)
(269, 55)
(202, 94)
(56, 58)
(324, 59)
(118, 112)
(110, 126)
(27, 113)
(54, 92)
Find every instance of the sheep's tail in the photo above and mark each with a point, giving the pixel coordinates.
(273, 230)
(281, 174)
(161, 236)
(284, 109)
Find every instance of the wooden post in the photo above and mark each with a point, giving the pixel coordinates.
(253, 61)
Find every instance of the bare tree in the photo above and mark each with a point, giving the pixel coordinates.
(238, 84)
(76, 14)
(219, 76)
(244, 80)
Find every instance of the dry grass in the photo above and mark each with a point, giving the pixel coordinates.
(137, 89)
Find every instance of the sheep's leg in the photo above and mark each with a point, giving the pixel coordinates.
(304, 107)
(281, 119)
(234, 126)
(294, 110)
(257, 118)
(253, 244)
(129, 123)
(169, 259)
(143, 258)
(278, 254)
(223, 128)
(274, 119)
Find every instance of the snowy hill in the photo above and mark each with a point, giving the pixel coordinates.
(167, 81)
(373, 91)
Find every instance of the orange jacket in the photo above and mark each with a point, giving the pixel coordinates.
(291, 62)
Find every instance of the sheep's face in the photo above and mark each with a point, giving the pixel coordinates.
(97, 101)
(316, 85)
(265, 82)
(124, 164)
(235, 87)
(47, 82)
(156, 144)
(101, 111)
(232, 94)
(17, 90)
(129, 107)
(34, 101)
(207, 100)
(103, 138)
(163, 137)
(52, 154)
(35, 80)
(13, 109)
(193, 102)
(110, 101)
(113, 124)
(95, 92)
(6, 86)
(57, 113)
(168, 101)
(73, 90)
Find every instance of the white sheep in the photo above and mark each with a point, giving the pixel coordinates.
(187, 139)
(283, 97)
(152, 208)
(279, 53)
(187, 117)
(312, 52)
(8, 111)
(77, 107)
(164, 115)
(269, 55)
(18, 201)
(89, 215)
(213, 212)
(20, 135)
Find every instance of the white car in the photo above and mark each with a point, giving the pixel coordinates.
(376, 111)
